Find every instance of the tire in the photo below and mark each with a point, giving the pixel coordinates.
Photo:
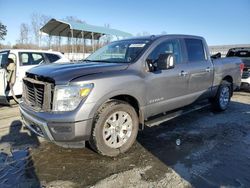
(221, 101)
(115, 128)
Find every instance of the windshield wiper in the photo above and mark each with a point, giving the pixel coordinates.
(87, 60)
(106, 61)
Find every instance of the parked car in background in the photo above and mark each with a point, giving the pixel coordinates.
(244, 54)
(23, 60)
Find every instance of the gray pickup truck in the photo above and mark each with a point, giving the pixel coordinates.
(123, 86)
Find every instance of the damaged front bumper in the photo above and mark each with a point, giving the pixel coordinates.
(59, 130)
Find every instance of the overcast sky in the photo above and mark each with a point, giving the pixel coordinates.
(220, 22)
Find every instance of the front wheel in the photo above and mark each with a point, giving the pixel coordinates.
(221, 101)
(115, 128)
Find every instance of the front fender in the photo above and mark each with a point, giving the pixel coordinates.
(113, 94)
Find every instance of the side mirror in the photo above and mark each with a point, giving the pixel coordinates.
(216, 56)
(166, 61)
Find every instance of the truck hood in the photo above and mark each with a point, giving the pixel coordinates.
(62, 73)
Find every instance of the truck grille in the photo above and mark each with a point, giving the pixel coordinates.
(37, 94)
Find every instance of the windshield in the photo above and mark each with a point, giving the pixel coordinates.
(3, 58)
(125, 51)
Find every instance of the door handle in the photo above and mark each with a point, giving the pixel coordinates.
(208, 69)
(183, 73)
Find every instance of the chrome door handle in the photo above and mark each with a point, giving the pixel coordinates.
(183, 73)
(208, 69)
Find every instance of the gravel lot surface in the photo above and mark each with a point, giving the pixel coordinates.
(200, 149)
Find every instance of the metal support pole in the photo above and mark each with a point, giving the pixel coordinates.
(98, 42)
(50, 41)
(93, 47)
(59, 47)
(68, 46)
(72, 44)
(83, 47)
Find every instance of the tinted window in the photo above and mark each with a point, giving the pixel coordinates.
(3, 59)
(27, 58)
(239, 53)
(37, 58)
(170, 46)
(195, 50)
(52, 57)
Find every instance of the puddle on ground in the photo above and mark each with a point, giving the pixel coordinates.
(49, 165)
(84, 166)
(17, 170)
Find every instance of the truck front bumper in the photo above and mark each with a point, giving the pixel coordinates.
(61, 131)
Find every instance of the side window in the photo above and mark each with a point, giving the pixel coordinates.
(195, 50)
(169, 46)
(37, 58)
(24, 59)
(52, 57)
(27, 58)
(3, 59)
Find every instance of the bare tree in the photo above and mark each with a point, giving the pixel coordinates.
(3, 31)
(74, 19)
(24, 33)
(37, 21)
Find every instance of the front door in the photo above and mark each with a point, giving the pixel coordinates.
(166, 88)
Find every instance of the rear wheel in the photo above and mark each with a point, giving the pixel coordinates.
(221, 101)
(115, 128)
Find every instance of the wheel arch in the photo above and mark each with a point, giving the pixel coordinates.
(229, 79)
(130, 99)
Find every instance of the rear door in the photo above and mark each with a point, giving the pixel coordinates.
(200, 69)
(3, 62)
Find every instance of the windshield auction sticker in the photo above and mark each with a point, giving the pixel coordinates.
(136, 45)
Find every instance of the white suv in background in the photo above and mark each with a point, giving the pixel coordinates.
(24, 59)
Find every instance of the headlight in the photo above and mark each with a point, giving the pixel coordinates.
(67, 98)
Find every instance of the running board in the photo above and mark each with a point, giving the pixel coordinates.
(172, 115)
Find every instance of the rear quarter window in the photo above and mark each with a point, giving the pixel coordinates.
(52, 57)
(195, 50)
